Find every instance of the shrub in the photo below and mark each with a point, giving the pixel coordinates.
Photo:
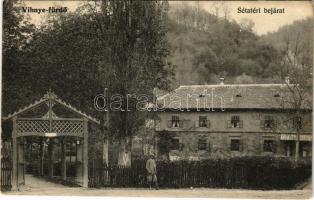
(239, 172)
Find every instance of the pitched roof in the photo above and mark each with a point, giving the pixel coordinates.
(236, 96)
(55, 98)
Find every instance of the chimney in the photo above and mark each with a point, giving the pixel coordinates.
(287, 79)
(222, 80)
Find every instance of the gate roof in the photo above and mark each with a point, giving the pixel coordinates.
(50, 96)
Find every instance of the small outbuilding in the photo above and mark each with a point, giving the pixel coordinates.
(53, 139)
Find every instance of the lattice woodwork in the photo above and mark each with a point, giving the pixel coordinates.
(64, 127)
(32, 126)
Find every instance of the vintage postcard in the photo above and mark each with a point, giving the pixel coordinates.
(131, 98)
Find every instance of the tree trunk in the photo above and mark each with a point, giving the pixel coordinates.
(298, 130)
(297, 148)
(124, 154)
(106, 151)
(106, 131)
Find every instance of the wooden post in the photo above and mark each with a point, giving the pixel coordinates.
(15, 157)
(63, 159)
(85, 154)
(42, 157)
(20, 164)
(50, 157)
(79, 171)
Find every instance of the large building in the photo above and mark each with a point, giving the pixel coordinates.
(221, 121)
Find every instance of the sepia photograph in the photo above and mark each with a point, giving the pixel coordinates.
(162, 99)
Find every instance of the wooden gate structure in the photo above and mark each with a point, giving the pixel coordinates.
(46, 123)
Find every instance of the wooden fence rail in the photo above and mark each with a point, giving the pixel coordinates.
(213, 174)
(253, 173)
(6, 166)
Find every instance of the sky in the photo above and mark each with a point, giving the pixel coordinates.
(263, 23)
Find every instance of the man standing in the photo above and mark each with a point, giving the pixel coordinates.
(151, 172)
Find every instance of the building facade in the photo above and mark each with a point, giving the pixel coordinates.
(221, 121)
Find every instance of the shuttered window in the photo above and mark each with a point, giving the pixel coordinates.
(202, 144)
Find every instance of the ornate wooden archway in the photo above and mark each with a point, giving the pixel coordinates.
(51, 126)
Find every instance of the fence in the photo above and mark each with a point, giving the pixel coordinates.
(252, 173)
(118, 176)
(6, 166)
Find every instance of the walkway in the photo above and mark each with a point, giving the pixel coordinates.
(38, 186)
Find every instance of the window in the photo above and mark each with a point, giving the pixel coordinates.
(276, 95)
(269, 122)
(235, 144)
(175, 122)
(305, 149)
(202, 144)
(203, 121)
(297, 123)
(269, 145)
(235, 122)
(175, 144)
(289, 145)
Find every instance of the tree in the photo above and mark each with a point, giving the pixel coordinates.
(220, 9)
(247, 24)
(299, 99)
(119, 45)
(217, 46)
(138, 49)
(16, 33)
(297, 59)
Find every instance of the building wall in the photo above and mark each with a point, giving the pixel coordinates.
(219, 136)
(218, 121)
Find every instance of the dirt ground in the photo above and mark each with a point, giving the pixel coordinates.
(36, 186)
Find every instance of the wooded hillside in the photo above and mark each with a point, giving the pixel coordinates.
(205, 47)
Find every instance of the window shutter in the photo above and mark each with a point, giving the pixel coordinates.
(197, 123)
(169, 124)
(241, 145)
(274, 146)
(208, 146)
(228, 124)
(180, 124)
(262, 124)
(208, 124)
